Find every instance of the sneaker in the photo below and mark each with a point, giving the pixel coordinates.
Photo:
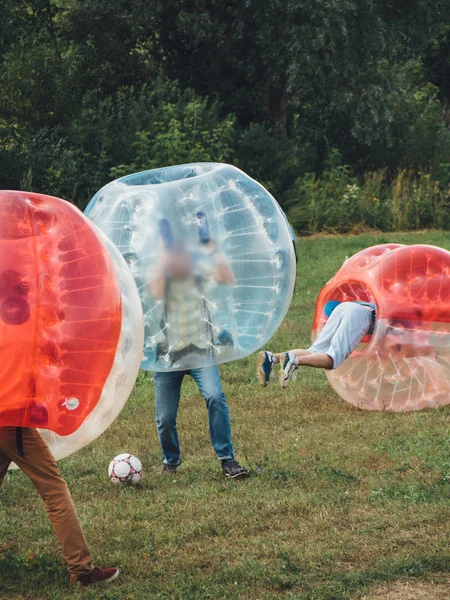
(264, 366)
(97, 576)
(169, 469)
(231, 468)
(288, 366)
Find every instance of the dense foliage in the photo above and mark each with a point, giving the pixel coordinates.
(298, 94)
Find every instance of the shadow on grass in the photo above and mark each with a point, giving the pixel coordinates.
(20, 572)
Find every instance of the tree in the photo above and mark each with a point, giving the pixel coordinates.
(269, 59)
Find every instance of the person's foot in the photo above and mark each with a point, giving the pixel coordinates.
(96, 576)
(169, 469)
(231, 468)
(264, 366)
(288, 365)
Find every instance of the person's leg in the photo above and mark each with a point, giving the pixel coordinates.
(316, 355)
(210, 387)
(289, 361)
(320, 360)
(322, 343)
(167, 399)
(278, 357)
(208, 382)
(342, 333)
(266, 361)
(356, 321)
(4, 464)
(40, 466)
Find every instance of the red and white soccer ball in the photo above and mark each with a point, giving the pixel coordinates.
(125, 468)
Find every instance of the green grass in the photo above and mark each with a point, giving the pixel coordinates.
(339, 499)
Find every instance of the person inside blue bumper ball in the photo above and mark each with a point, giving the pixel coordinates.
(179, 284)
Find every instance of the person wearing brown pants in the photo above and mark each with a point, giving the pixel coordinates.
(31, 454)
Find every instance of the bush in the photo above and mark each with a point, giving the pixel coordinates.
(133, 130)
(339, 201)
(167, 127)
(273, 158)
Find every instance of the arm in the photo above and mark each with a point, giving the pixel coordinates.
(221, 271)
(157, 285)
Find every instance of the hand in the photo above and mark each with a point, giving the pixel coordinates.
(222, 273)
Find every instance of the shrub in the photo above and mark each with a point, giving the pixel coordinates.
(339, 201)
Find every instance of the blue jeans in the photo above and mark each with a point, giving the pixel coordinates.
(168, 389)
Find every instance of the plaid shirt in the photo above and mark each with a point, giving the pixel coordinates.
(187, 315)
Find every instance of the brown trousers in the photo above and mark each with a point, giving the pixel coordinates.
(40, 466)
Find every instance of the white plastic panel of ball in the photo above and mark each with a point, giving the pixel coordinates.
(248, 230)
(122, 469)
(402, 369)
(123, 374)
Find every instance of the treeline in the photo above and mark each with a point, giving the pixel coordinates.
(339, 107)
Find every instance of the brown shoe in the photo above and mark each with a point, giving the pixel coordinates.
(97, 576)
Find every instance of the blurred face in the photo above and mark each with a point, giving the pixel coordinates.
(178, 263)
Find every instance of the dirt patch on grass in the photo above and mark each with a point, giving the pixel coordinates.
(413, 589)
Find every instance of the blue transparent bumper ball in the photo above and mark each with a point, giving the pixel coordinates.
(212, 255)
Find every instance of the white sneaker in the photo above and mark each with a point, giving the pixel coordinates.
(288, 366)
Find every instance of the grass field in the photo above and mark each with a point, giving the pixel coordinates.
(341, 503)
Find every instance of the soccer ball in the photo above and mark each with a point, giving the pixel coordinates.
(125, 468)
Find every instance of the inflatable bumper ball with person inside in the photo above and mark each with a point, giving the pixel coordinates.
(71, 324)
(404, 364)
(211, 252)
